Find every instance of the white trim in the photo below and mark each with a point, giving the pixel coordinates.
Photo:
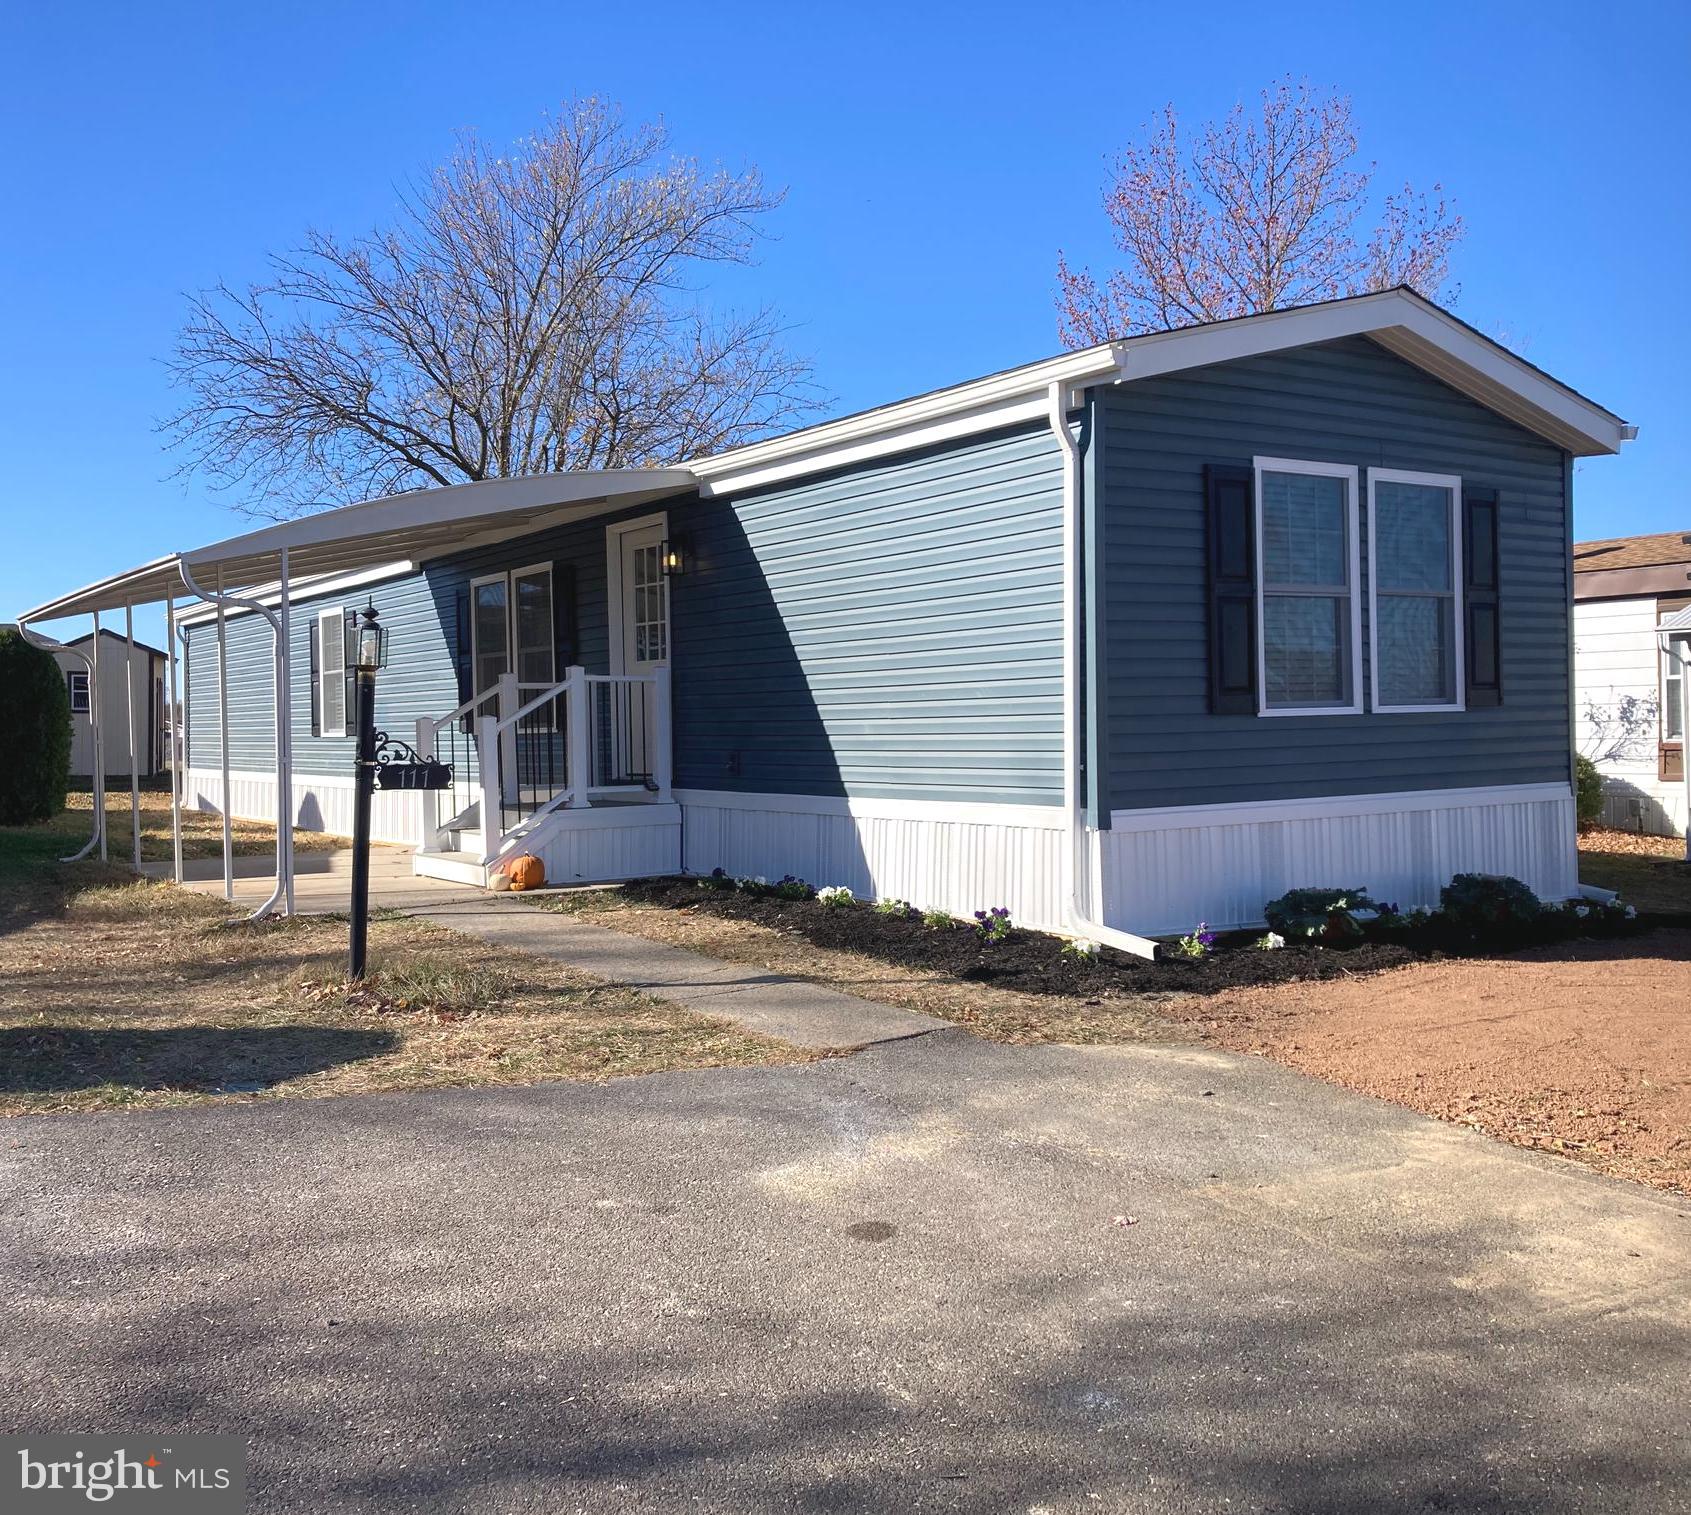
(328, 583)
(335, 614)
(1452, 483)
(614, 628)
(475, 652)
(1231, 813)
(1353, 519)
(875, 808)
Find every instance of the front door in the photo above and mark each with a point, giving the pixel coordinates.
(642, 644)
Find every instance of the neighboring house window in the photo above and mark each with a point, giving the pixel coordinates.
(1673, 689)
(1414, 570)
(1309, 615)
(77, 682)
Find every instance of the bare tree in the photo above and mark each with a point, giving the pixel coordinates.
(1256, 213)
(524, 312)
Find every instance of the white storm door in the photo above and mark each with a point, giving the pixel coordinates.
(642, 644)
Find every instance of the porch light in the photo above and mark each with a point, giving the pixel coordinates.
(674, 555)
(372, 642)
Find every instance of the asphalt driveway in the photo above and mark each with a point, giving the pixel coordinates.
(937, 1275)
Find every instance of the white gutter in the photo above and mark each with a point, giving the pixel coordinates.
(1077, 855)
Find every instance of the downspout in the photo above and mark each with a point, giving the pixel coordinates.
(1079, 916)
(279, 894)
(47, 644)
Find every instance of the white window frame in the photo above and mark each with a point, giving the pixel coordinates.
(337, 617)
(1353, 514)
(72, 675)
(475, 631)
(534, 570)
(1459, 650)
(1671, 669)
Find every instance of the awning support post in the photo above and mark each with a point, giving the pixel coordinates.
(134, 762)
(178, 741)
(284, 745)
(98, 744)
(223, 743)
(283, 859)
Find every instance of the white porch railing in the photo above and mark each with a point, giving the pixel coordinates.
(540, 748)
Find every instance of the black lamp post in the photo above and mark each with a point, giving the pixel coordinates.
(370, 647)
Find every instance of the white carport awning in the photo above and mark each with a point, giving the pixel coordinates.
(421, 524)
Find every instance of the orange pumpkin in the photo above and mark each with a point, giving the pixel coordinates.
(526, 872)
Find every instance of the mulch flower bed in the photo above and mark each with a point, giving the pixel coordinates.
(1035, 961)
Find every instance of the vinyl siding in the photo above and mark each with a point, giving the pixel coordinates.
(1342, 402)
(420, 610)
(892, 630)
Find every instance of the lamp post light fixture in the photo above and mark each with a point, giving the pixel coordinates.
(370, 654)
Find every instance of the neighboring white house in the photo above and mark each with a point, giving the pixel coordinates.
(146, 672)
(1627, 695)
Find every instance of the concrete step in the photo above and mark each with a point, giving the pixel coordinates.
(453, 867)
(467, 841)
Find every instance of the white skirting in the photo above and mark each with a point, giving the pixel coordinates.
(607, 842)
(960, 858)
(1165, 870)
(321, 802)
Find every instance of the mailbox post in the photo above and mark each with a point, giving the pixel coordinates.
(371, 645)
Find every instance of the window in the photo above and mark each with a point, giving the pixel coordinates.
(1673, 687)
(1414, 570)
(512, 628)
(1309, 619)
(76, 681)
(332, 699)
(535, 638)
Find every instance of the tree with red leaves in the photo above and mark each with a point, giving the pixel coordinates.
(1255, 213)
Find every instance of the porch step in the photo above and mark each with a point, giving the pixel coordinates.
(452, 867)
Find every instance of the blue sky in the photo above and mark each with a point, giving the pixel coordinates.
(935, 156)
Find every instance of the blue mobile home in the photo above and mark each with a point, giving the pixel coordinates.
(1137, 636)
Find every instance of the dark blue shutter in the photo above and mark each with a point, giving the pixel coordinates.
(1230, 492)
(1481, 598)
(567, 631)
(316, 679)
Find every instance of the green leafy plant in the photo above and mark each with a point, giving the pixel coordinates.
(1481, 904)
(938, 920)
(1270, 941)
(35, 715)
(1198, 943)
(1327, 915)
(835, 897)
(1588, 791)
(993, 925)
(790, 887)
(903, 909)
(1081, 949)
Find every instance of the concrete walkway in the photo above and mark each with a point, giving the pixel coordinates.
(807, 1015)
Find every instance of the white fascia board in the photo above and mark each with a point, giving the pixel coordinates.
(1006, 399)
(1417, 331)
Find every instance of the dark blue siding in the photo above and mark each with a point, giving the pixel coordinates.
(1342, 402)
(889, 630)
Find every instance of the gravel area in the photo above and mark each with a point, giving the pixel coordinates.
(1582, 1049)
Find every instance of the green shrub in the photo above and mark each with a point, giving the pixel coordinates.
(1481, 904)
(1324, 913)
(35, 715)
(1588, 790)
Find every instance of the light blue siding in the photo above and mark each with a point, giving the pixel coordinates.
(1341, 402)
(890, 630)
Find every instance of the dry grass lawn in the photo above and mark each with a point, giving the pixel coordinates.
(118, 993)
(202, 833)
(1647, 871)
